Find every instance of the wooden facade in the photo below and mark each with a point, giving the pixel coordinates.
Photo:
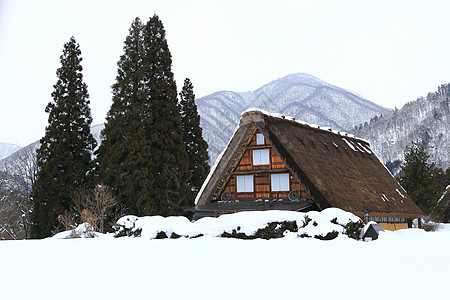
(261, 174)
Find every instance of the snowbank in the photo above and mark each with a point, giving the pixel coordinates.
(309, 224)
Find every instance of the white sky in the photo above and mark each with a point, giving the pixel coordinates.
(390, 52)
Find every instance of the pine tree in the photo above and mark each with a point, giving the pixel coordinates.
(417, 178)
(124, 157)
(170, 192)
(64, 157)
(196, 146)
(142, 157)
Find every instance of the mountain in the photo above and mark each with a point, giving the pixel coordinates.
(7, 149)
(96, 132)
(302, 96)
(426, 119)
(28, 154)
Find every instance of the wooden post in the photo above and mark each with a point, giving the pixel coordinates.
(366, 217)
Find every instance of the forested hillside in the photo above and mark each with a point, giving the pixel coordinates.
(426, 120)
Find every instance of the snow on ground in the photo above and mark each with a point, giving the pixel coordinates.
(405, 264)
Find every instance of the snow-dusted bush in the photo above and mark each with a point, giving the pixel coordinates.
(126, 226)
(427, 224)
(273, 230)
(324, 225)
(84, 230)
(354, 229)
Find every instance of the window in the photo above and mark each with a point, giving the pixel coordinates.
(259, 139)
(261, 157)
(279, 182)
(244, 184)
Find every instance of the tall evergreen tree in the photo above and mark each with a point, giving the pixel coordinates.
(142, 157)
(418, 180)
(124, 157)
(64, 157)
(170, 193)
(196, 146)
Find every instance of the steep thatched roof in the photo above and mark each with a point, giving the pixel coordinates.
(337, 170)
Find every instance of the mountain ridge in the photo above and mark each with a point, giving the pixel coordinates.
(300, 95)
(6, 149)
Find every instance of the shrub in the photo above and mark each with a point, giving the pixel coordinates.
(306, 221)
(430, 226)
(273, 230)
(329, 236)
(161, 235)
(237, 235)
(126, 226)
(173, 235)
(353, 229)
(84, 230)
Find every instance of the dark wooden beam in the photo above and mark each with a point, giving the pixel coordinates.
(250, 172)
(259, 147)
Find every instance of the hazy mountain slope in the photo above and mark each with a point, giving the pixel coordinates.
(7, 149)
(426, 120)
(7, 161)
(29, 152)
(302, 96)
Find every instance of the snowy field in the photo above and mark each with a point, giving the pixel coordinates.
(406, 264)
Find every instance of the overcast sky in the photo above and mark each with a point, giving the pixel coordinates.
(390, 52)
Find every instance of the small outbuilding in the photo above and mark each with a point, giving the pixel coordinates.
(371, 231)
(275, 162)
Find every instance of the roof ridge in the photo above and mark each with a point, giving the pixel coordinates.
(252, 114)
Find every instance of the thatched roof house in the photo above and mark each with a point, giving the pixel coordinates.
(272, 162)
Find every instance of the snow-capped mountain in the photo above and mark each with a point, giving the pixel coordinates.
(426, 120)
(20, 162)
(302, 96)
(7, 149)
(96, 132)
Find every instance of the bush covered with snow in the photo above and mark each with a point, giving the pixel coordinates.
(84, 230)
(325, 225)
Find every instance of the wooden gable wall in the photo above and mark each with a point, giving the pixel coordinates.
(261, 175)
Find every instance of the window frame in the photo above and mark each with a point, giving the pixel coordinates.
(275, 181)
(257, 159)
(245, 180)
(258, 136)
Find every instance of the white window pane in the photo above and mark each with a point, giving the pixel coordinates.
(261, 157)
(279, 182)
(259, 139)
(244, 184)
(249, 183)
(240, 184)
(284, 182)
(275, 182)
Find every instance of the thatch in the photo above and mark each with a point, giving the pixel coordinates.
(337, 170)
